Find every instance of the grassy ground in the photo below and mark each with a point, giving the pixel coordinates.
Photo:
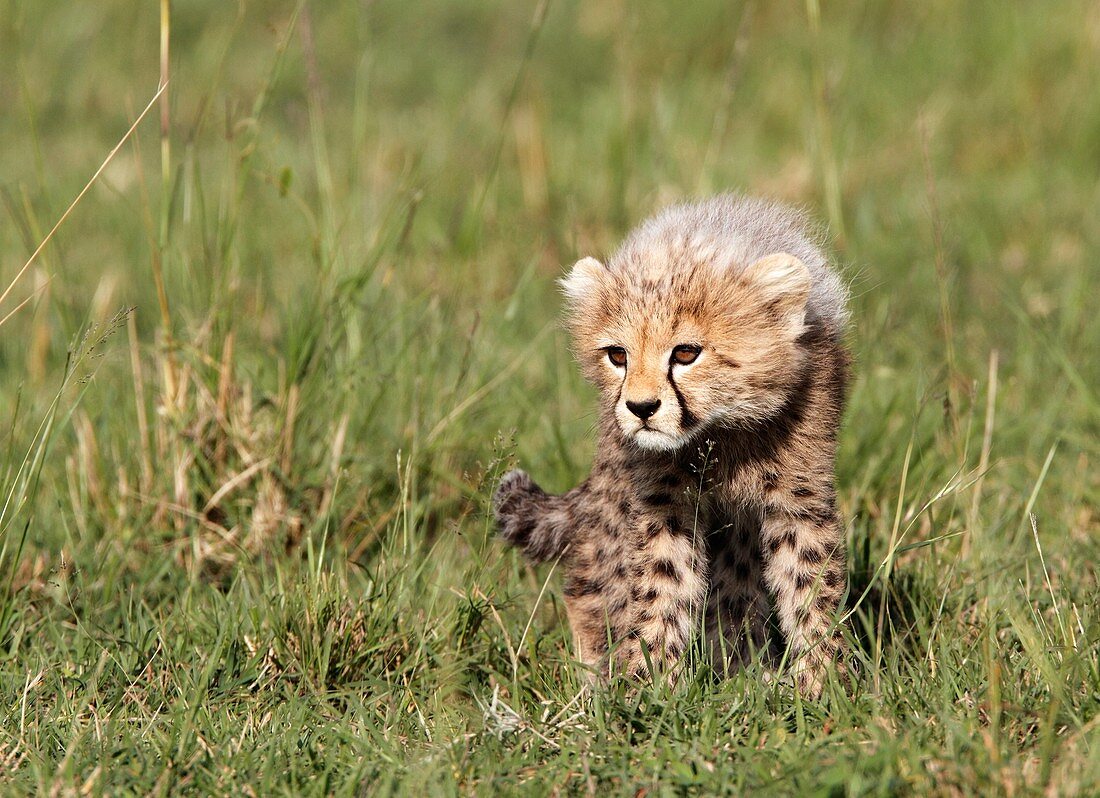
(276, 358)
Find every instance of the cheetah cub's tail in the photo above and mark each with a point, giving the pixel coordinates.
(530, 518)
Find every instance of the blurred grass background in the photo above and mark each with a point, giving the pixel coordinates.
(274, 361)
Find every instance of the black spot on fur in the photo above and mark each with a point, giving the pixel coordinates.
(580, 586)
(658, 500)
(770, 479)
(820, 515)
(802, 492)
(803, 581)
(586, 519)
(786, 540)
(519, 532)
(650, 595)
(665, 568)
(812, 555)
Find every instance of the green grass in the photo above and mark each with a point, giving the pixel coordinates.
(244, 545)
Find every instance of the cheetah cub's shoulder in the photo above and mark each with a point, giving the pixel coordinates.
(715, 337)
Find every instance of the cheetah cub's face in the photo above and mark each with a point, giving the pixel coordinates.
(676, 348)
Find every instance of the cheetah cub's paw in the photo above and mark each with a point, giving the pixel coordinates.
(512, 506)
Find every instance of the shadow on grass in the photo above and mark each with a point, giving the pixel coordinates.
(887, 612)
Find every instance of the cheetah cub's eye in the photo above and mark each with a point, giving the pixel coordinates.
(686, 354)
(617, 355)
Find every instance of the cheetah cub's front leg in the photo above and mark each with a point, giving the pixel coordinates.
(586, 530)
(529, 518)
(804, 570)
(635, 568)
(669, 582)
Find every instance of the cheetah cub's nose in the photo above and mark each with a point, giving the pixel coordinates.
(644, 410)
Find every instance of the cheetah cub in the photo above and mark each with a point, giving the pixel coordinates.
(715, 338)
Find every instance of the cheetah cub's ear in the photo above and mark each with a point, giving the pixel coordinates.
(583, 281)
(783, 282)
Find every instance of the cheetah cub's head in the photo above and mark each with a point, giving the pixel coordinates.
(678, 348)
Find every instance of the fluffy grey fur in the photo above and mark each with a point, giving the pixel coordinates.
(742, 230)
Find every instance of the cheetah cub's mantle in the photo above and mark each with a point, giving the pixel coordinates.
(714, 336)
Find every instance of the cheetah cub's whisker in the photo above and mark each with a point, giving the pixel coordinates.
(715, 337)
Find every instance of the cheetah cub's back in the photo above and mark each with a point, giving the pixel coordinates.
(714, 335)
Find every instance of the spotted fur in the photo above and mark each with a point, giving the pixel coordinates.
(711, 505)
